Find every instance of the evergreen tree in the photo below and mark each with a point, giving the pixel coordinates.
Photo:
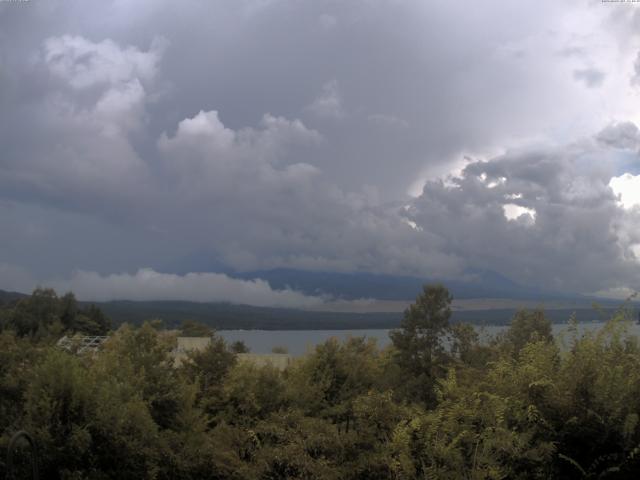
(420, 351)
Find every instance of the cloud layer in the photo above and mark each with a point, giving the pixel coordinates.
(147, 284)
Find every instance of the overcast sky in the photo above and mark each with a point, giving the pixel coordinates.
(150, 146)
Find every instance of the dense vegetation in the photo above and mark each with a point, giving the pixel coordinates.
(436, 404)
(45, 315)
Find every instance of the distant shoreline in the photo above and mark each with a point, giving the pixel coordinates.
(242, 317)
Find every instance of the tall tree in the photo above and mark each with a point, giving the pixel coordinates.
(420, 352)
(68, 310)
(526, 326)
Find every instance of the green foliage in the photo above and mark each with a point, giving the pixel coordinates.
(329, 379)
(420, 351)
(87, 424)
(18, 357)
(191, 328)
(44, 315)
(437, 404)
(526, 326)
(239, 347)
(207, 369)
(251, 394)
(91, 321)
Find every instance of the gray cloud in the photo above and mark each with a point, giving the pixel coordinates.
(591, 77)
(329, 103)
(253, 134)
(623, 135)
(78, 152)
(245, 61)
(579, 238)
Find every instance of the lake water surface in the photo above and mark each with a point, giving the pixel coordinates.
(298, 342)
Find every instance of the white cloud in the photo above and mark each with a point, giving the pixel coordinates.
(147, 284)
(617, 293)
(204, 131)
(210, 158)
(627, 187)
(113, 81)
(83, 63)
(412, 224)
(513, 212)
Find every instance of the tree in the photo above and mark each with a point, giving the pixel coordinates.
(191, 328)
(44, 314)
(251, 393)
(419, 348)
(36, 314)
(333, 376)
(208, 369)
(68, 310)
(526, 326)
(239, 347)
(145, 354)
(92, 321)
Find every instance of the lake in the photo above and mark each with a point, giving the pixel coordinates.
(298, 342)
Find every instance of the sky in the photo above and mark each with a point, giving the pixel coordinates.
(152, 148)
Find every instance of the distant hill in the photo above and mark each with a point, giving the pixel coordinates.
(224, 316)
(9, 297)
(481, 284)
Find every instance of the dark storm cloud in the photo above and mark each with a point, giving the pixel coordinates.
(579, 238)
(265, 134)
(457, 84)
(624, 135)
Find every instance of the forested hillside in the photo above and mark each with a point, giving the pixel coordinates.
(228, 316)
(524, 405)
